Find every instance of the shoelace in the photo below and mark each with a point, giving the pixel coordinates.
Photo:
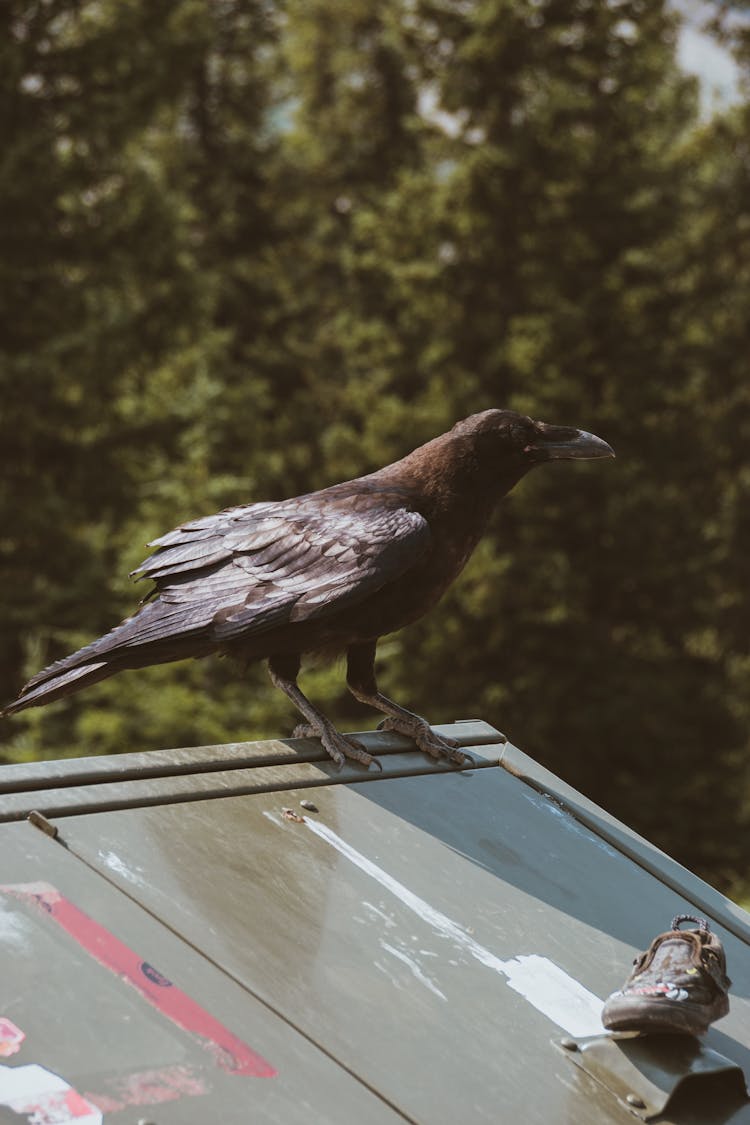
(708, 956)
(701, 923)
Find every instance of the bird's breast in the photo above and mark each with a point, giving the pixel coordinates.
(408, 597)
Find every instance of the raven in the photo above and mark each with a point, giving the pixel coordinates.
(329, 571)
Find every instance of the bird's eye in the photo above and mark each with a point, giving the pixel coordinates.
(524, 435)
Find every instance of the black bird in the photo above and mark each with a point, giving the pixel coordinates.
(330, 571)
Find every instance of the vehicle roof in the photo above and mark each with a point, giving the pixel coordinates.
(235, 933)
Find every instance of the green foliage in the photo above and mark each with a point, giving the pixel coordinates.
(262, 248)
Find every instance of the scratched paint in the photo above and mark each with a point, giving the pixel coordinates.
(14, 930)
(229, 1052)
(568, 821)
(545, 985)
(149, 1087)
(44, 1098)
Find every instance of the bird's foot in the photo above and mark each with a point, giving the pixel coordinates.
(305, 730)
(436, 745)
(337, 746)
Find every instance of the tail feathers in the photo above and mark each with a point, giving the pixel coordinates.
(158, 633)
(60, 685)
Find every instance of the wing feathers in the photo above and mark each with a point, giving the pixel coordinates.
(256, 567)
(175, 560)
(247, 571)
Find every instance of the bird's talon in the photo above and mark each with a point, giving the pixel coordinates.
(445, 751)
(436, 745)
(340, 747)
(337, 746)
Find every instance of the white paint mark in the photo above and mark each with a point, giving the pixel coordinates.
(373, 910)
(555, 993)
(414, 968)
(544, 984)
(386, 972)
(114, 863)
(44, 1097)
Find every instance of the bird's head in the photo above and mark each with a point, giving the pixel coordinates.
(482, 457)
(514, 443)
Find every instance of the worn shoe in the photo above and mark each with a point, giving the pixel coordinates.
(678, 985)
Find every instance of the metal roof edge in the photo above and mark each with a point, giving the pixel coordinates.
(680, 879)
(128, 766)
(67, 787)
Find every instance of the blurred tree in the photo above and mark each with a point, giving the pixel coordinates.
(266, 247)
(112, 335)
(93, 294)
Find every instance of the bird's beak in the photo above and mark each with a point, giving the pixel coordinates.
(561, 443)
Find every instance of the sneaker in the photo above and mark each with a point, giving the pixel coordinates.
(678, 985)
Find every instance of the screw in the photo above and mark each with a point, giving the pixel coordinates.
(309, 806)
(635, 1101)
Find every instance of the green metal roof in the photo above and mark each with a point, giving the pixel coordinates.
(243, 934)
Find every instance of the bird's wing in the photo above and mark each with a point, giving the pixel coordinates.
(245, 571)
(212, 539)
(250, 569)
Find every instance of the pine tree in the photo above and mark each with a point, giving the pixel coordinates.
(97, 289)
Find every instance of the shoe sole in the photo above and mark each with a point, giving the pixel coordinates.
(661, 1016)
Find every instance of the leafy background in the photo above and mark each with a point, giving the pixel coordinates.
(250, 248)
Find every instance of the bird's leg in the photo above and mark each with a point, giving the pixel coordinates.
(284, 671)
(360, 679)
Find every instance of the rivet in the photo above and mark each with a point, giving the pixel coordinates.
(39, 820)
(309, 806)
(635, 1101)
(569, 1044)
